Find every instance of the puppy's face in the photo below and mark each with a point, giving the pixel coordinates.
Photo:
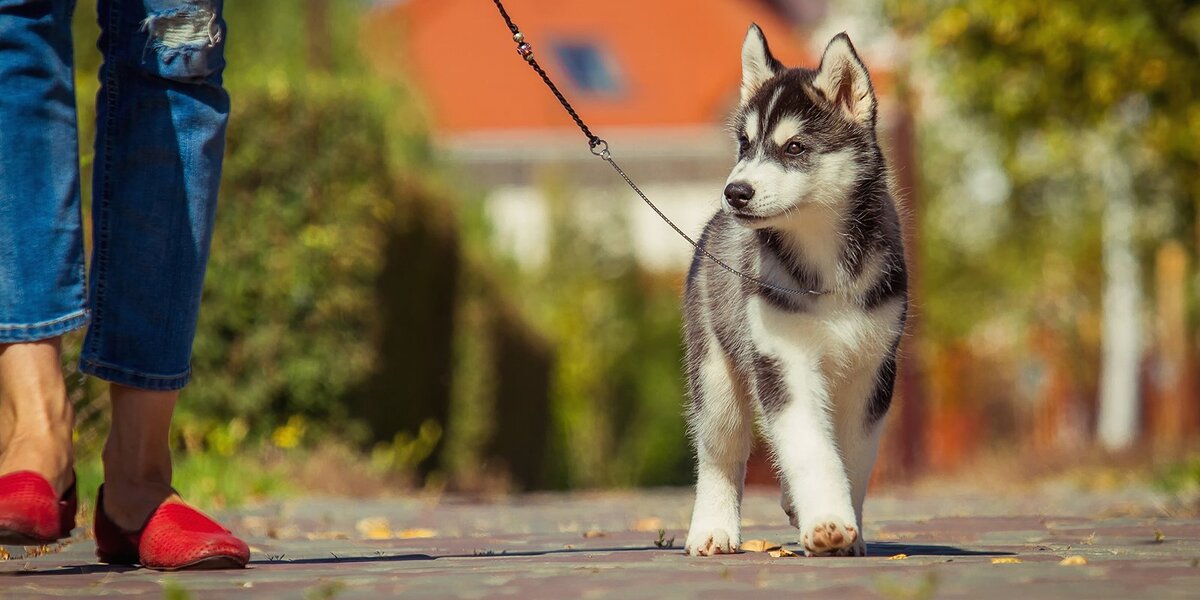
(799, 132)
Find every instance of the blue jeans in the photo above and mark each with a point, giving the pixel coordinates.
(160, 136)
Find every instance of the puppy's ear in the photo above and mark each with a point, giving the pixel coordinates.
(844, 81)
(758, 65)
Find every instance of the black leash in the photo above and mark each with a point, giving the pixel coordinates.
(599, 147)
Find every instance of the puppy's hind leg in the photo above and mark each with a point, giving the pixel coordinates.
(866, 398)
(719, 420)
(860, 451)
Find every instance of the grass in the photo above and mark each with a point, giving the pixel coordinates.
(173, 590)
(1182, 476)
(662, 541)
(257, 472)
(209, 480)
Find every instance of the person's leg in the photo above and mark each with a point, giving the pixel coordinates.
(160, 134)
(41, 245)
(35, 417)
(137, 455)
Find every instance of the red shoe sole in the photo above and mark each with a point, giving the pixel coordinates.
(209, 563)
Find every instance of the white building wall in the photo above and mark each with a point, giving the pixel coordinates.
(520, 218)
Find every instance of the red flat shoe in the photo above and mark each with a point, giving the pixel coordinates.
(30, 514)
(175, 537)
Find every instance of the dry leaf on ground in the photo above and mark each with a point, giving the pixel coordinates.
(415, 534)
(648, 524)
(782, 553)
(1073, 560)
(594, 533)
(374, 528)
(900, 556)
(1006, 560)
(758, 546)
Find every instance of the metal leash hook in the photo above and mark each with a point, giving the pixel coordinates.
(599, 147)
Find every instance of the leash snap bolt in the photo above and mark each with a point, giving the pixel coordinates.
(599, 147)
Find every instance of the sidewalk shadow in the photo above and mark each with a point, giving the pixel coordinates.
(91, 569)
(874, 549)
(894, 548)
(98, 568)
(481, 554)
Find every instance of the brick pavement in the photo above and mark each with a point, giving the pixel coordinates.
(957, 543)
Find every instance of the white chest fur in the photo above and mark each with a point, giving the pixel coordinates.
(834, 335)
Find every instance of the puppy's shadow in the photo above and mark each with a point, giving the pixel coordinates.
(894, 548)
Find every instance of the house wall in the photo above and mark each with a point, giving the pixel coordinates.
(682, 170)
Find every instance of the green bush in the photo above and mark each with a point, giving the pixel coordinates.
(351, 294)
(289, 301)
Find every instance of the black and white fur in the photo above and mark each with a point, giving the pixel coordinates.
(808, 206)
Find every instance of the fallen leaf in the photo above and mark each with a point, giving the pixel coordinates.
(1159, 536)
(414, 534)
(594, 533)
(1073, 560)
(758, 546)
(898, 557)
(648, 524)
(374, 528)
(4, 555)
(782, 553)
(1006, 560)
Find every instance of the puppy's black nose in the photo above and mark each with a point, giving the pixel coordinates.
(738, 194)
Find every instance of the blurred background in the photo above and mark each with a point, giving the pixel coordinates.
(421, 279)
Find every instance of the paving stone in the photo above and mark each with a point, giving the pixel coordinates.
(957, 542)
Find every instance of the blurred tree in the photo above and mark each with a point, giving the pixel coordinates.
(352, 290)
(1053, 79)
(617, 389)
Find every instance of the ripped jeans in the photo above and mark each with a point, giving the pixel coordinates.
(160, 135)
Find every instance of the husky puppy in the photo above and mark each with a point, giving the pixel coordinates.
(807, 207)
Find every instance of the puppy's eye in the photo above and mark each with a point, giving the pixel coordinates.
(794, 149)
(743, 143)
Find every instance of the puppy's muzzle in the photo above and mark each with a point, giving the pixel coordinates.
(738, 194)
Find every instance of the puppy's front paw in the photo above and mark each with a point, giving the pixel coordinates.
(707, 542)
(832, 537)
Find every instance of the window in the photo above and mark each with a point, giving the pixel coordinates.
(588, 67)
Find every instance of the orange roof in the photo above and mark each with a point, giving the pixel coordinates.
(677, 61)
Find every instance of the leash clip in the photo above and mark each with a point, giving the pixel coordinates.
(599, 147)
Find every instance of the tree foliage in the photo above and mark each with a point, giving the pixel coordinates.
(1034, 86)
(1065, 66)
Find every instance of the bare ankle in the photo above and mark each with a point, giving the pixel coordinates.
(130, 503)
(36, 417)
